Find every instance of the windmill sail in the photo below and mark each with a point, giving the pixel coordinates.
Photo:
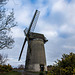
(22, 49)
(31, 28)
(34, 21)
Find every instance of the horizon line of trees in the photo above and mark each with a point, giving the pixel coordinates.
(65, 66)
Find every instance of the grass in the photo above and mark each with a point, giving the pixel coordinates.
(11, 73)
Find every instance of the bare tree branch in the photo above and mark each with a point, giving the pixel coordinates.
(6, 23)
(3, 59)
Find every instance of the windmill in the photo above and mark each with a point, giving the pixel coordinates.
(35, 59)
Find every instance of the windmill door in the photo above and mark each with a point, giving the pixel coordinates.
(41, 67)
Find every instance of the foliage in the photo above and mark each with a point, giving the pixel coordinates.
(41, 73)
(6, 23)
(65, 66)
(21, 66)
(5, 68)
(3, 59)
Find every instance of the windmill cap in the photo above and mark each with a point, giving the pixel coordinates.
(37, 36)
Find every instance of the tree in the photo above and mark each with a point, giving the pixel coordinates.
(67, 60)
(6, 23)
(5, 68)
(3, 59)
(65, 66)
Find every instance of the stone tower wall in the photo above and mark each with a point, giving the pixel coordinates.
(36, 55)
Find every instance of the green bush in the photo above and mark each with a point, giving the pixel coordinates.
(5, 68)
(65, 66)
(41, 73)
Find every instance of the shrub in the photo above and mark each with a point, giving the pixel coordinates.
(5, 68)
(41, 73)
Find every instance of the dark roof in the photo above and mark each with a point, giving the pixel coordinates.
(37, 36)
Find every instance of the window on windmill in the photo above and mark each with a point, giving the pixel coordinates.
(41, 67)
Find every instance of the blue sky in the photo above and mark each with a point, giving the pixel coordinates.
(56, 22)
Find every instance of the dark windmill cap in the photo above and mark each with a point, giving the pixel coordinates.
(33, 36)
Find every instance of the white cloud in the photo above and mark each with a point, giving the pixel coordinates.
(44, 10)
(69, 47)
(14, 62)
(13, 4)
(70, 13)
(67, 9)
(17, 32)
(49, 34)
(68, 29)
(23, 16)
(59, 6)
